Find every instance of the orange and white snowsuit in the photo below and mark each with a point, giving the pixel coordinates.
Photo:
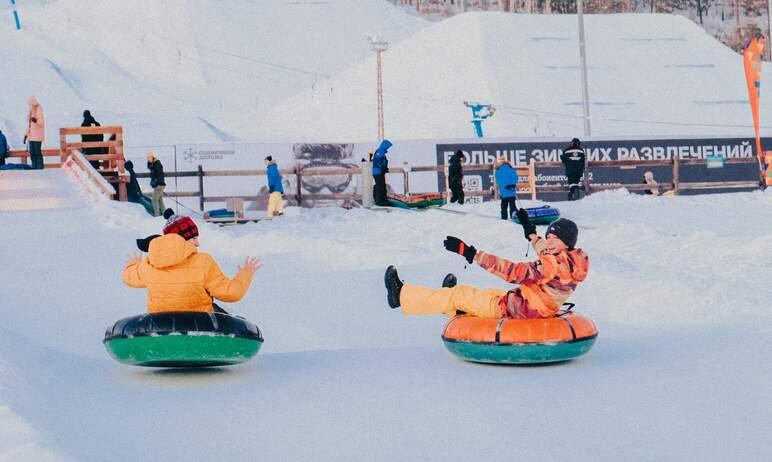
(544, 285)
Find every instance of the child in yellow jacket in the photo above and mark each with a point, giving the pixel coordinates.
(179, 277)
(544, 284)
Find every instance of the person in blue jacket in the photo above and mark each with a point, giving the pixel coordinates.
(275, 189)
(380, 169)
(506, 181)
(3, 148)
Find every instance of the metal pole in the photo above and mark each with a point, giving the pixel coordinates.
(583, 64)
(15, 15)
(768, 42)
(380, 96)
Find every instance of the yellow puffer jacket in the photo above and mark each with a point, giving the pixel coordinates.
(178, 278)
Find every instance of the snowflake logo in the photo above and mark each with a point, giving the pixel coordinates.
(190, 155)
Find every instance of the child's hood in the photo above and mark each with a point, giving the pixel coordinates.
(169, 250)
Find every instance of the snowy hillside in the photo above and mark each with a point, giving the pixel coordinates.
(648, 75)
(679, 370)
(183, 69)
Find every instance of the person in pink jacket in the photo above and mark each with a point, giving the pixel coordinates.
(36, 132)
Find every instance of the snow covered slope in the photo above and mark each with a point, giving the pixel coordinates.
(677, 289)
(648, 75)
(175, 71)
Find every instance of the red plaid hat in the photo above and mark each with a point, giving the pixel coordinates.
(184, 226)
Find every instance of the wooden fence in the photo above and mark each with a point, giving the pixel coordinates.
(524, 171)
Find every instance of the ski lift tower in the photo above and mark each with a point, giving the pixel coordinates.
(480, 112)
(379, 45)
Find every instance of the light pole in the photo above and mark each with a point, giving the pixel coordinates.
(379, 45)
(583, 63)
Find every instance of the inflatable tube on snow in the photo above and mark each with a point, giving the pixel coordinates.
(183, 339)
(416, 201)
(519, 341)
(540, 215)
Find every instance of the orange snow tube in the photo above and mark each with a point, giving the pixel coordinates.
(520, 341)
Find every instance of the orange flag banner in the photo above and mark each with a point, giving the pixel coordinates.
(752, 62)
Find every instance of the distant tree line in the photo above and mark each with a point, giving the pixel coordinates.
(733, 22)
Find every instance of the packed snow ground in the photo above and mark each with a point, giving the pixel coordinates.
(679, 372)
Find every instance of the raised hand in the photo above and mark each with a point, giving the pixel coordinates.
(456, 245)
(251, 264)
(528, 228)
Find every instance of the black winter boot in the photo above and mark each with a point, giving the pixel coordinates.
(449, 281)
(393, 286)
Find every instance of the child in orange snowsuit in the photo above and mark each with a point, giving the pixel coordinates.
(544, 284)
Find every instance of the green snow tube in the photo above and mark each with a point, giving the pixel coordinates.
(540, 215)
(183, 339)
(416, 201)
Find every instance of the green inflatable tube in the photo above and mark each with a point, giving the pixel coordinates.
(519, 353)
(183, 339)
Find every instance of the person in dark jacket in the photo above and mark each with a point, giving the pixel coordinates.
(573, 158)
(456, 177)
(275, 188)
(90, 121)
(134, 192)
(506, 181)
(157, 182)
(3, 148)
(380, 169)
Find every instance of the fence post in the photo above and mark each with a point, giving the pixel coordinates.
(367, 183)
(532, 177)
(586, 178)
(495, 186)
(676, 172)
(299, 188)
(201, 187)
(406, 178)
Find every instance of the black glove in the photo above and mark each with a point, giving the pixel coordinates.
(525, 222)
(270, 190)
(511, 187)
(454, 244)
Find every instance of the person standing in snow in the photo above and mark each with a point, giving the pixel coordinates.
(574, 159)
(506, 181)
(180, 278)
(544, 284)
(3, 148)
(380, 169)
(275, 189)
(36, 132)
(157, 182)
(456, 177)
(648, 178)
(90, 121)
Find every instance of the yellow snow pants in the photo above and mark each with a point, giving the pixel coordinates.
(275, 204)
(483, 303)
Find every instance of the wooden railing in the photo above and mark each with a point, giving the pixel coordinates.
(524, 171)
(24, 156)
(111, 165)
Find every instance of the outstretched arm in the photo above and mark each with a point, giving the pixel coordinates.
(131, 273)
(219, 286)
(519, 272)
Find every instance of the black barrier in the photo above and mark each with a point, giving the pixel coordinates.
(520, 153)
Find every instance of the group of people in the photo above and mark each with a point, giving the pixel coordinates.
(35, 135)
